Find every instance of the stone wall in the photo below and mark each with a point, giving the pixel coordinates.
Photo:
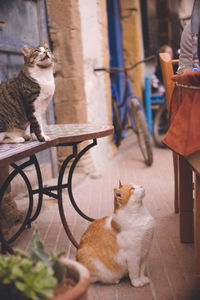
(78, 38)
(65, 35)
(97, 84)
(132, 41)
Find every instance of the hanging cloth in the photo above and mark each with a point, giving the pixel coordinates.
(183, 135)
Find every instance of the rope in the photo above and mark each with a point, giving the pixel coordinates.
(188, 86)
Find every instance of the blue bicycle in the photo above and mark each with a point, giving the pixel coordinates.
(129, 113)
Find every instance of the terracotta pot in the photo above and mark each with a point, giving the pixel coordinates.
(80, 274)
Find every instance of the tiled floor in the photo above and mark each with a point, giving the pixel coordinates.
(170, 263)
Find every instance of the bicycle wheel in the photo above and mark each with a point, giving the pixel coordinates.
(141, 129)
(160, 125)
(116, 123)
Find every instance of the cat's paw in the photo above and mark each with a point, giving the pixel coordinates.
(145, 280)
(19, 139)
(33, 137)
(27, 137)
(42, 138)
(137, 283)
(46, 138)
(140, 282)
(16, 140)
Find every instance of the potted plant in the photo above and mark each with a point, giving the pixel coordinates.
(39, 276)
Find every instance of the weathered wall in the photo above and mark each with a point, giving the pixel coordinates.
(78, 37)
(97, 85)
(65, 34)
(132, 41)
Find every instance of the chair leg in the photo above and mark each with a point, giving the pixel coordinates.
(176, 182)
(185, 201)
(197, 223)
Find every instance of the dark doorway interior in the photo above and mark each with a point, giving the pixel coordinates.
(160, 22)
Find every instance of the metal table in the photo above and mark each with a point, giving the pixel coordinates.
(68, 135)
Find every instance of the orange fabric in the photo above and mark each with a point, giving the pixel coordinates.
(183, 135)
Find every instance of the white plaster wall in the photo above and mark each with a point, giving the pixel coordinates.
(95, 89)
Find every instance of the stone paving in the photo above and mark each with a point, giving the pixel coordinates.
(170, 263)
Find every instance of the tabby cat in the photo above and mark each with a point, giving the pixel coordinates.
(115, 246)
(24, 99)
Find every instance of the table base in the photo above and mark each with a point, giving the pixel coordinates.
(51, 191)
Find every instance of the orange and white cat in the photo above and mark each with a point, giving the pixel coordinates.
(115, 246)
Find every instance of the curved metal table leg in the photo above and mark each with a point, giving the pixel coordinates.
(69, 185)
(60, 203)
(17, 170)
(39, 191)
(71, 197)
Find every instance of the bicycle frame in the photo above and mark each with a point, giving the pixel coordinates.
(124, 104)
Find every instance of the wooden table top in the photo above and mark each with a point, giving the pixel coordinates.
(59, 134)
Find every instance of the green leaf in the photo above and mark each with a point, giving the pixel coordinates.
(37, 251)
(17, 272)
(20, 285)
(35, 274)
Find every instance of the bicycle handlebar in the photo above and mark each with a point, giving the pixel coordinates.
(116, 70)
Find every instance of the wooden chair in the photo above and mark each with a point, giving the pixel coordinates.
(167, 73)
(183, 178)
(151, 99)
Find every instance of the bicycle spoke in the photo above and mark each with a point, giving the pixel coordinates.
(141, 130)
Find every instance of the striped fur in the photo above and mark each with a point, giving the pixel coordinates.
(19, 95)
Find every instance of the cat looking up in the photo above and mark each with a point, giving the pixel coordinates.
(24, 99)
(115, 246)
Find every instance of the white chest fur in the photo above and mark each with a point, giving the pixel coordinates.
(45, 79)
(134, 227)
(136, 234)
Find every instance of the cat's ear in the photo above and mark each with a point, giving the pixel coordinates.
(120, 184)
(45, 44)
(26, 50)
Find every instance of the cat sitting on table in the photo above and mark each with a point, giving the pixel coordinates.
(115, 246)
(24, 99)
